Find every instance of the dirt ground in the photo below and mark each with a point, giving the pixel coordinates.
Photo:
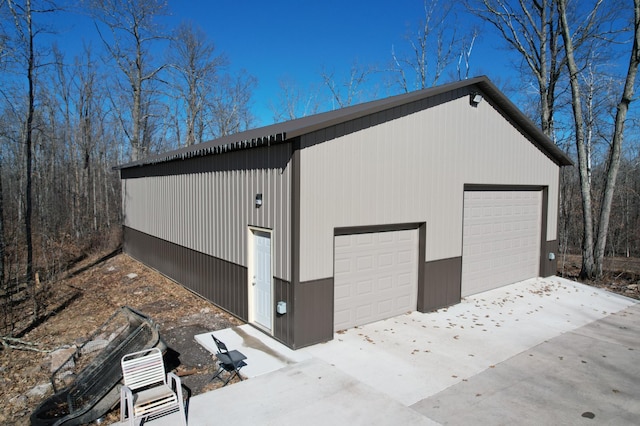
(96, 288)
(99, 291)
(621, 274)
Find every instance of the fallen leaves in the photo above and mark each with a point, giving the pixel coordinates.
(102, 289)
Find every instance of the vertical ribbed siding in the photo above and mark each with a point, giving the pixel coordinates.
(440, 286)
(283, 325)
(209, 211)
(223, 283)
(314, 312)
(412, 169)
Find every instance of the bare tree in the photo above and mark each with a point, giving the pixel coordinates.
(133, 33)
(230, 106)
(593, 254)
(3, 54)
(22, 14)
(349, 90)
(294, 102)
(465, 55)
(432, 49)
(2, 236)
(195, 68)
(557, 41)
(531, 29)
(4, 48)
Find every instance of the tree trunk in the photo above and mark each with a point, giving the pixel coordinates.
(2, 241)
(616, 144)
(588, 265)
(28, 144)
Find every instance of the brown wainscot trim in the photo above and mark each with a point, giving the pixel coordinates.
(283, 324)
(549, 267)
(350, 230)
(314, 312)
(441, 284)
(223, 283)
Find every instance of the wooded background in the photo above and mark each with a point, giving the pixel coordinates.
(67, 118)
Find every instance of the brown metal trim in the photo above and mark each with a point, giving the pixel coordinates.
(367, 229)
(262, 158)
(314, 312)
(299, 330)
(364, 115)
(283, 324)
(488, 187)
(543, 255)
(442, 284)
(295, 215)
(549, 267)
(422, 242)
(221, 282)
(334, 130)
(422, 249)
(553, 246)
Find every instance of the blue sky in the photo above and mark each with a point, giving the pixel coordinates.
(297, 40)
(300, 39)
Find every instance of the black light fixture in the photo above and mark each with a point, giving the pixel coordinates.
(475, 98)
(258, 200)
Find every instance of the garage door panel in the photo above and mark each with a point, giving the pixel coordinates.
(365, 288)
(364, 262)
(390, 272)
(342, 266)
(385, 260)
(501, 238)
(385, 283)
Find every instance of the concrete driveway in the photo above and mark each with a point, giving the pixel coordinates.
(543, 351)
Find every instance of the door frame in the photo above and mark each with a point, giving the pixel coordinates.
(250, 272)
(544, 245)
(419, 227)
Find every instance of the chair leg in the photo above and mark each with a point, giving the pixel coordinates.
(183, 414)
(229, 378)
(123, 407)
(220, 370)
(232, 374)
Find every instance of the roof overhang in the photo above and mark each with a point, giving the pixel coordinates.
(282, 132)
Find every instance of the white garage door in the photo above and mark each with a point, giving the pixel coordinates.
(501, 238)
(376, 276)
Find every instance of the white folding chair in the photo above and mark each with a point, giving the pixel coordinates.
(148, 391)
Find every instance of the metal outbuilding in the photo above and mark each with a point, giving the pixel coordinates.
(334, 220)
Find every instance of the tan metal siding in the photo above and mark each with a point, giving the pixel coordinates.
(210, 211)
(413, 169)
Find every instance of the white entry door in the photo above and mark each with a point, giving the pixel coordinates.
(261, 279)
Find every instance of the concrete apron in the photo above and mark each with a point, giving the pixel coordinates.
(412, 368)
(586, 376)
(417, 355)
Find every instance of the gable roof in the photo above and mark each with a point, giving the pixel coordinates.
(288, 130)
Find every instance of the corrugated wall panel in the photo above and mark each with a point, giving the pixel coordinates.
(210, 211)
(192, 269)
(413, 169)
